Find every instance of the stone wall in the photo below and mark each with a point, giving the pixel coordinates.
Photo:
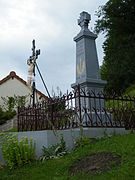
(47, 137)
(10, 124)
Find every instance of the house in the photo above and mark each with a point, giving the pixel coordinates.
(14, 85)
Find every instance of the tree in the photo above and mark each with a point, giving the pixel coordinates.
(117, 20)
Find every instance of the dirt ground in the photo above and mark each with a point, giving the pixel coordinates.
(95, 163)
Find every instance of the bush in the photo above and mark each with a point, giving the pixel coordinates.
(54, 151)
(81, 142)
(15, 152)
(11, 103)
(6, 115)
(2, 121)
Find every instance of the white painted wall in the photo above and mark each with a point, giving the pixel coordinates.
(14, 87)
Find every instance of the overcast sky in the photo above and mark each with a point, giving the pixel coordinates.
(53, 24)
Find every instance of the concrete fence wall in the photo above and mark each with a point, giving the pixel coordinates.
(9, 124)
(47, 137)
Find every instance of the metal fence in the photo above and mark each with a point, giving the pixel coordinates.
(80, 107)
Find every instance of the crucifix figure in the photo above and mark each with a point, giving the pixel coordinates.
(31, 71)
(31, 62)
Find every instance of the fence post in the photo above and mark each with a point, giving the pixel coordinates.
(80, 113)
(35, 113)
(18, 119)
(52, 123)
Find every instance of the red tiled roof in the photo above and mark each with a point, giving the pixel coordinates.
(13, 75)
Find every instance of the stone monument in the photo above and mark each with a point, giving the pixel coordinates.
(87, 71)
(87, 67)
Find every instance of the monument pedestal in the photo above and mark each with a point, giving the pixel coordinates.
(90, 84)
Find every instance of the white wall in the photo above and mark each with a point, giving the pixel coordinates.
(14, 87)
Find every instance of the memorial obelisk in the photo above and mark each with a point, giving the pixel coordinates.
(87, 67)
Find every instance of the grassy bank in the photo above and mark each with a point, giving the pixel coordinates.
(58, 168)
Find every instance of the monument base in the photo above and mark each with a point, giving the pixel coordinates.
(95, 85)
(91, 98)
(93, 119)
(98, 119)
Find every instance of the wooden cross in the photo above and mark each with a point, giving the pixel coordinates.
(35, 53)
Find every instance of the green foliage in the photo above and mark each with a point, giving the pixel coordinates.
(57, 108)
(9, 115)
(17, 152)
(11, 103)
(130, 91)
(12, 130)
(8, 110)
(82, 141)
(2, 120)
(20, 100)
(121, 110)
(54, 151)
(6, 115)
(58, 168)
(116, 19)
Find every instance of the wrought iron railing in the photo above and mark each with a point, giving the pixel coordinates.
(80, 107)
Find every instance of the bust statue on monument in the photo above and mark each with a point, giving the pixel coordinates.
(83, 21)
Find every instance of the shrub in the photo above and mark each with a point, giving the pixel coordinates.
(11, 103)
(82, 141)
(6, 115)
(15, 152)
(54, 151)
(2, 121)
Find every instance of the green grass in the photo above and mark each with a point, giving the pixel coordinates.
(131, 90)
(58, 168)
(116, 104)
(12, 130)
